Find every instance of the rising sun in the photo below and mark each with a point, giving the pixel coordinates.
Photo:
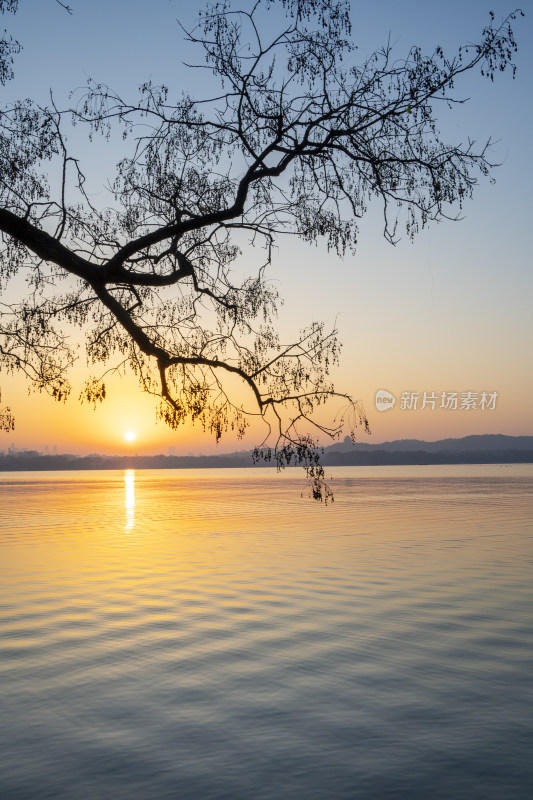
(130, 436)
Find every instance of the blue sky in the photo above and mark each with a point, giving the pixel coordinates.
(450, 311)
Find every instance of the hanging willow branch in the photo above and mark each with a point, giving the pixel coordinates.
(297, 139)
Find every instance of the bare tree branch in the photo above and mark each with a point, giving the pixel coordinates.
(297, 139)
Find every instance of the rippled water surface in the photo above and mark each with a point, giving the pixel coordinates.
(214, 634)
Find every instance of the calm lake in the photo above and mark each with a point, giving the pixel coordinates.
(215, 634)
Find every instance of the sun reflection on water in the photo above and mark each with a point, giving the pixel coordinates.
(129, 501)
(219, 612)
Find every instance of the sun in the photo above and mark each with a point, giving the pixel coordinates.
(130, 436)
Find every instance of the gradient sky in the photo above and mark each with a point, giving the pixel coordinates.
(449, 312)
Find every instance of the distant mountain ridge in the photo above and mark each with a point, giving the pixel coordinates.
(475, 443)
(477, 449)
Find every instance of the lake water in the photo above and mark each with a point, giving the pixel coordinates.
(214, 634)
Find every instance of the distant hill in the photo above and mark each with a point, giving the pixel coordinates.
(485, 449)
(481, 449)
(482, 443)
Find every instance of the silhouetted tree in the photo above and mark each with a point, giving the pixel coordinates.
(6, 418)
(297, 139)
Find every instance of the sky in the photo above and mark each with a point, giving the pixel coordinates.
(449, 312)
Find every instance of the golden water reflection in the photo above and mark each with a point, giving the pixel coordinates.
(129, 500)
(278, 636)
